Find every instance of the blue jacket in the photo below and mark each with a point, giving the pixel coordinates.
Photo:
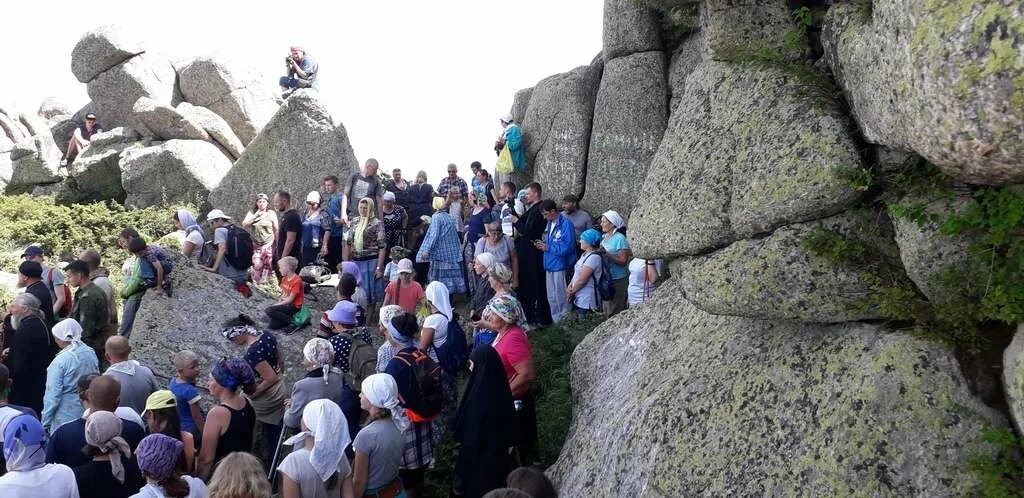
(514, 141)
(61, 403)
(561, 253)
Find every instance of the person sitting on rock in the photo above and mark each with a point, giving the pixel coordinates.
(302, 70)
(221, 224)
(81, 138)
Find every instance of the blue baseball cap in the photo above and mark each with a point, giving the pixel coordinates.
(33, 251)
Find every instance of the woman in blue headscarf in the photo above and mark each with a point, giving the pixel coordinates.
(28, 474)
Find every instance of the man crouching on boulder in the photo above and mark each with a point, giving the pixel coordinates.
(301, 70)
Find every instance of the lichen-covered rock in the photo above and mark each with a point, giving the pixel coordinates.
(163, 122)
(520, 103)
(745, 152)
(943, 78)
(192, 320)
(298, 147)
(733, 27)
(685, 59)
(629, 27)
(1013, 378)
(777, 277)
(101, 49)
(173, 171)
(927, 253)
(219, 131)
(235, 95)
(115, 91)
(629, 120)
(705, 405)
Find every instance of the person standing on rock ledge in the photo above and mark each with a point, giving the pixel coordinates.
(301, 70)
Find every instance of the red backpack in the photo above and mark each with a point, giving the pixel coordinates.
(65, 310)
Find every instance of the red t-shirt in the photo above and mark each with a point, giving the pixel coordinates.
(513, 348)
(407, 297)
(292, 285)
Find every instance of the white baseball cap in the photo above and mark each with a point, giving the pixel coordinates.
(217, 214)
(313, 196)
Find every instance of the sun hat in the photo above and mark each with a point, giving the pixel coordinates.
(217, 214)
(405, 266)
(159, 400)
(313, 197)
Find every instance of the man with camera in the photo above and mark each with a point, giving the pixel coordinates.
(302, 70)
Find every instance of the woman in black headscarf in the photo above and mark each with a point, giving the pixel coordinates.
(486, 427)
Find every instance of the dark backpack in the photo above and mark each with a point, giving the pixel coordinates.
(453, 355)
(605, 287)
(239, 248)
(65, 309)
(424, 399)
(362, 361)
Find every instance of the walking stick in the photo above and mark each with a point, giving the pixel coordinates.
(272, 473)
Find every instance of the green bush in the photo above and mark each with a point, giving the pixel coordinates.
(65, 231)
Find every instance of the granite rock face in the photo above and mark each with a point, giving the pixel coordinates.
(629, 27)
(298, 147)
(705, 405)
(629, 120)
(219, 131)
(1013, 378)
(777, 277)
(101, 49)
(745, 152)
(173, 171)
(115, 91)
(942, 78)
(520, 103)
(233, 94)
(729, 27)
(163, 122)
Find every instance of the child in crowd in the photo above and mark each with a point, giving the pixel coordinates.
(183, 385)
(154, 265)
(406, 292)
(391, 269)
(281, 313)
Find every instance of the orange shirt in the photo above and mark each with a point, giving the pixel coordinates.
(292, 285)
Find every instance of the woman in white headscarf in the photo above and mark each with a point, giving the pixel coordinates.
(318, 467)
(387, 350)
(111, 473)
(194, 241)
(433, 335)
(616, 246)
(28, 474)
(322, 381)
(379, 445)
(61, 403)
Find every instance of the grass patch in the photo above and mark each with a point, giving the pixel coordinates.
(552, 349)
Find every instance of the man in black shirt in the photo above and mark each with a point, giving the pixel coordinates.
(532, 291)
(31, 349)
(289, 235)
(30, 276)
(103, 394)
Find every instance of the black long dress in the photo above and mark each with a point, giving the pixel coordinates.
(533, 293)
(485, 427)
(32, 350)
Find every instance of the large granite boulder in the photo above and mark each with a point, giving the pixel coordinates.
(173, 171)
(629, 27)
(556, 129)
(163, 122)
(219, 131)
(736, 28)
(520, 103)
(101, 49)
(1013, 378)
(629, 120)
(671, 401)
(192, 320)
(746, 151)
(942, 78)
(777, 277)
(52, 107)
(235, 95)
(12, 128)
(6, 166)
(115, 91)
(687, 56)
(35, 161)
(96, 173)
(298, 147)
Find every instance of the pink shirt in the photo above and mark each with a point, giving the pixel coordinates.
(514, 348)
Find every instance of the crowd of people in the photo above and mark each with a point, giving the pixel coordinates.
(80, 417)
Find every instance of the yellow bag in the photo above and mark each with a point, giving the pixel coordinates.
(504, 165)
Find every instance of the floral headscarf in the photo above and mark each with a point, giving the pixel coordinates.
(233, 332)
(319, 353)
(505, 308)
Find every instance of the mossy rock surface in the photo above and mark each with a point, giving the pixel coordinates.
(672, 401)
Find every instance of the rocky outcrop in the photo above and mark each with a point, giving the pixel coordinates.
(1013, 378)
(724, 406)
(237, 97)
(219, 131)
(556, 129)
(685, 59)
(777, 277)
(192, 320)
(629, 120)
(115, 91)
(944, 79)
(12, 128)
(101, 49)
(520, 103)
(176, 171)
(745, 152)
(52, 107)
(298, 147)
(732, 27)
(35, 161)
(96, 173)
(629, 27)
(164, 122)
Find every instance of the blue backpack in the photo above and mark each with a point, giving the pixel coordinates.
(453, 355)
(604, 286)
